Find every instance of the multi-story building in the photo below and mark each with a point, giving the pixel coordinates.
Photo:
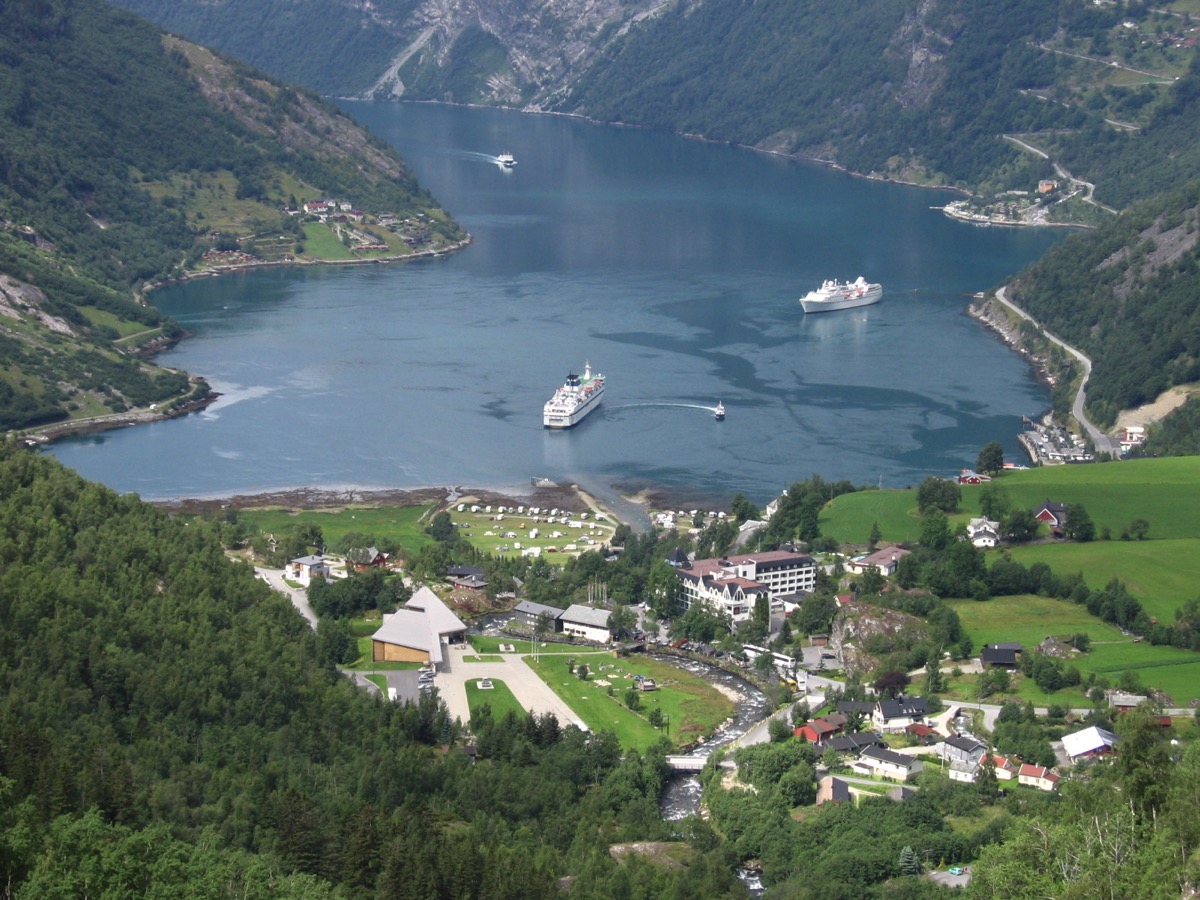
(733, 584)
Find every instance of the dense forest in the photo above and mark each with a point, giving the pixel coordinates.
(122, 152)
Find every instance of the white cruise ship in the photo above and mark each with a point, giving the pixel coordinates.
(841, 295)
(574, 400)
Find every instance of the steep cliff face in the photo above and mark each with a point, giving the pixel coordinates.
(510, 52)
(862, 634)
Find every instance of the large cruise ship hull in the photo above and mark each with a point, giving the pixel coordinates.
(834, 296)
(558, 419)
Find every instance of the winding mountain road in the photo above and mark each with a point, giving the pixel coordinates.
(1101, 441)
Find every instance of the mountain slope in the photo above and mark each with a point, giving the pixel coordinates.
(126, 158)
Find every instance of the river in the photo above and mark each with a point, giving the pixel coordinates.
(672, 265)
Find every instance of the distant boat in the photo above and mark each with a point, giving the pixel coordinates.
(507, 160)
(719, 412)
(841, 295)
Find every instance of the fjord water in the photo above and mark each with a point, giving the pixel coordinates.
(672, 265)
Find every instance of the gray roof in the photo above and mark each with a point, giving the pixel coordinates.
(442, 619)
(888, 756)
(965, 743)
(585, 615)
(410, 628)
(529, 608)
(903, 707)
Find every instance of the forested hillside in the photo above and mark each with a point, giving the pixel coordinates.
(125, 157)
(1128, 295)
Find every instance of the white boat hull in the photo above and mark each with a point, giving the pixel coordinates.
(574, 401)
(834, 296)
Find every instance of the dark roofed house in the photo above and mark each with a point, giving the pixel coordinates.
(851, 743)
(849, 707)
(679, 559)
(885, 763)
(896, 715)
(963, 748)
(999, 655)
(816, 730)
(832, 790)
(463, 571)
(527, 614)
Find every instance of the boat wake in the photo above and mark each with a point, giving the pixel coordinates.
(476, 156)
(708, 409)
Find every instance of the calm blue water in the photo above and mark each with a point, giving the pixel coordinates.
(672, 265)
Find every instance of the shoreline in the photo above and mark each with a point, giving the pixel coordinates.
(311, 499)
(233, 268)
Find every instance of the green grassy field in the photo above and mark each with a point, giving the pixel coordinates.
(848, 518)
(404, 524)
(1030, 619)
(321, 243)
(692, 705)
(1164, 492)
(1163, 575)
(499, 698)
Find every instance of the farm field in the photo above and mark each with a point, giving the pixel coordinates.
(693, 706)
(1030, 619)
(1163, 575)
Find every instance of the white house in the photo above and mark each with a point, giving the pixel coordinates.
(884, 763)
(305, 568)
(885, 560)
(586, 622)
(1037, 776)
(983, 532)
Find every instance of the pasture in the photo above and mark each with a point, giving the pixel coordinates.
(1163, 575)
(1030, 619)
(1164, 492)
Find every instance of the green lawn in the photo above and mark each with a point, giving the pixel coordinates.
(404, 524)
(693, 706)
(1163, 575)
(499, 698)
(483, 643)
(1030, 619)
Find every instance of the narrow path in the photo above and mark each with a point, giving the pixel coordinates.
(1101, 441)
